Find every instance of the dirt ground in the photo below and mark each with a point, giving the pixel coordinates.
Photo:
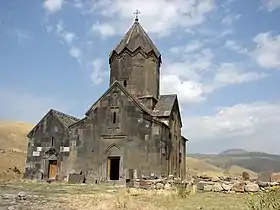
(39, 195)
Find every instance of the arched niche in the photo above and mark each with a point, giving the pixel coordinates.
(113, 150)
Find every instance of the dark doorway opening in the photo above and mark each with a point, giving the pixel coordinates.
(114, 168)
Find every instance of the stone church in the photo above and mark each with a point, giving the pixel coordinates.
(131, 126)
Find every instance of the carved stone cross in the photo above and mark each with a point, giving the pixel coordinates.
(136, 14)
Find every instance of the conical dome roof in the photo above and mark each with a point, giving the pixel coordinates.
(136, 37)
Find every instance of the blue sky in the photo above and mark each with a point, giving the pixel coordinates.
(222, 57)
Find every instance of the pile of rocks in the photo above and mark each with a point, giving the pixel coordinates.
(157, 183)
(205, 184)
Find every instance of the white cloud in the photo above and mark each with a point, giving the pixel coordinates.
(251, 126)
(229, 19)
(103, 29)
(188, 91)
(230, 73)
(271, 5)
(232, 45)
(69, 37)
(98, 72)
(185, 77)
(75, 52)
(158, 16)
(226, 33)
(197, 76)
(191, 47)
(267, 51)
(53, 5)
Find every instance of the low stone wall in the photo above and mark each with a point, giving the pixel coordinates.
(204, 184)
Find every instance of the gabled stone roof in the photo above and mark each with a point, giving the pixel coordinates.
(135, 38)
(65, 119)
(164, 105)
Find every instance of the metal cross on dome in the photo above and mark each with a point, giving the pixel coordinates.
(136, 15)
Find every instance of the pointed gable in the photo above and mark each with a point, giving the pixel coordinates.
(117, 84)
(65, 119)
(136, 38)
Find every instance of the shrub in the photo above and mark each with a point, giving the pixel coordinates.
(183, 191)
(265, 200)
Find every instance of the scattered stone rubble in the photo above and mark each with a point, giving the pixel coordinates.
(204, 184)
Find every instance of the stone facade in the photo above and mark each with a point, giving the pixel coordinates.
(131, 126)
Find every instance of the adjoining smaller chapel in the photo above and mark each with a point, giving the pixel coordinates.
(131, 126)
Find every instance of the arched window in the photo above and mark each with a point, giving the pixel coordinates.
(124, 83)
(114, 117)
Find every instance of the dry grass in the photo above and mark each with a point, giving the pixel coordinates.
(13, 143)
(235, 170)
(107, 197)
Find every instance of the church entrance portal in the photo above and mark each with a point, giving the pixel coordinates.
(52, 169)
(114, 168)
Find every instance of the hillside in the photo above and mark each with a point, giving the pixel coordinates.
(254, 161)
(199, 167)
(233, 152)
(13, 143)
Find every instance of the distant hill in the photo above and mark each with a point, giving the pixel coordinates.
(254, 161)
(234, 152)
(13, 147)
(197, 166)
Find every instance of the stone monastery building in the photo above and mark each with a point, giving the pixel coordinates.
(131, 126)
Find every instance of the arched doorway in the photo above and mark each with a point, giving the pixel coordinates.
(114, 160)
(51, 163)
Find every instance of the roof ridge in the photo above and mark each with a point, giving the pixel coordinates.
(64, 114)
(136, 101)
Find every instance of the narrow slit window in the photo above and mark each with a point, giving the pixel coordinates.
(52, 141)
(114, 117)
(124, 83)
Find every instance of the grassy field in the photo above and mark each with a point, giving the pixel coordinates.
(109, 197)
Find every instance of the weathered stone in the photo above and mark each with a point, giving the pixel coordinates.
(239, 187)
(159, 186)
(215, 179)
(245, 176)
(208, 188)
(136, 184)
(200, 185)
(227, 187)
(273, 183)
(76, 178)
(263, 184)
(22, 195)
(217, 187)
(252, 187)
(167, 186)
(8, 197)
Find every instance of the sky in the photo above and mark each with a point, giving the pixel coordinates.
(222, 58)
